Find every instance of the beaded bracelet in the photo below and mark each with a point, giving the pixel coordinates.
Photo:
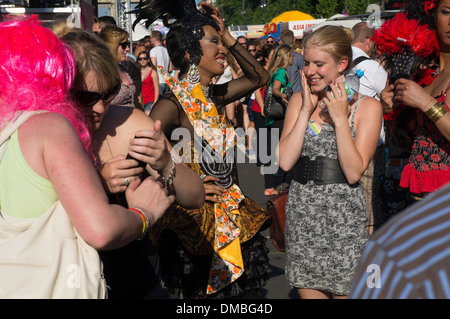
(436, 112)
(169, 180)
(145, 222)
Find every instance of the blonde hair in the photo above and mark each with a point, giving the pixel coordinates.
(335, 40)
(280, 58)
(60, 28)
(113, 36)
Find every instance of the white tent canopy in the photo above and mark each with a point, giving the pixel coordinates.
(338, 19)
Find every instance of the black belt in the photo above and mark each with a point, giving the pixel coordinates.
(322, 170)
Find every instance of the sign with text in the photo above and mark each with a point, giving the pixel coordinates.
(299, 26)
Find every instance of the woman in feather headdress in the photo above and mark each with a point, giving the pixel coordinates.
(215, 251)
(429, 162)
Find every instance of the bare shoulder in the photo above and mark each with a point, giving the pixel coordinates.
(47, 123)
(368, 110)
(125, 121)
(140, 120)
(48, 139)
(369, 105)
(46, 129)
(45, 117)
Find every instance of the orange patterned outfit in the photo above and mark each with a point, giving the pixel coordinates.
(217, 232)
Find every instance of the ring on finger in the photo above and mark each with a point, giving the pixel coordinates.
(126, 182)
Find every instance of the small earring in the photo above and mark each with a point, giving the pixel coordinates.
(193, 76)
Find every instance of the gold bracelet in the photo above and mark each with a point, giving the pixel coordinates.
(439, 115)
(434, 115)
(436, 112)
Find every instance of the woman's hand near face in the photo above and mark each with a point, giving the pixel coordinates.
(216, 15)
(307, 104)
(337, 103)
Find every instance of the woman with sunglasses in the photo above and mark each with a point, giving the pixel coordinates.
(117, 41)
(46, 159)
(132, 271)
(150, 81)
(270, 40)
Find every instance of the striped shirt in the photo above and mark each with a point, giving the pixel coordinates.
(409, 257)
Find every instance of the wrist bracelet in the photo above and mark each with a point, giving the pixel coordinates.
(145, 222)
(436, 112)
(169, 180)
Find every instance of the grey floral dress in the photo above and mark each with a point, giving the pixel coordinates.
(325, 224)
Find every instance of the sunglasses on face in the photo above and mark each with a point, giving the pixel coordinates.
(252, 50)
(124, 45)
(89, 99)
(140, 59)
(269, 42)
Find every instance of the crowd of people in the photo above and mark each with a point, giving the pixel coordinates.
(138, 148)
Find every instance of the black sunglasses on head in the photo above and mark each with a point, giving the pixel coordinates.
(88, 98)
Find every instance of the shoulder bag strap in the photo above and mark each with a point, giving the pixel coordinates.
(18, 119)
(359, 60)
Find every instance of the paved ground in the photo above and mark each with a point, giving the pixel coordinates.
(252, 184)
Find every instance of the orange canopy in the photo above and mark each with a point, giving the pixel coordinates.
(292, 16)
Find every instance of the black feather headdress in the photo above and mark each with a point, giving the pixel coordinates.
(177, 14)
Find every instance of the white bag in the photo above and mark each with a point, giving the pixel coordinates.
(45, 257)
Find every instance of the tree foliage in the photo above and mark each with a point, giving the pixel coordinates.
(248, 12)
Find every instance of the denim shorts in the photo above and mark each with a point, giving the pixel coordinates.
(148, 106)
(250, 111)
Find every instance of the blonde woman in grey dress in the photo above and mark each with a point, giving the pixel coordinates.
(328, 142)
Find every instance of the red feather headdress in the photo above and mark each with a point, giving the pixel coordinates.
(400, 34)
(402, 42)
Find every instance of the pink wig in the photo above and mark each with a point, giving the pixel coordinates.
(36, 73)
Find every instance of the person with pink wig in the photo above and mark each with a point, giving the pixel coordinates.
(46, 158)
